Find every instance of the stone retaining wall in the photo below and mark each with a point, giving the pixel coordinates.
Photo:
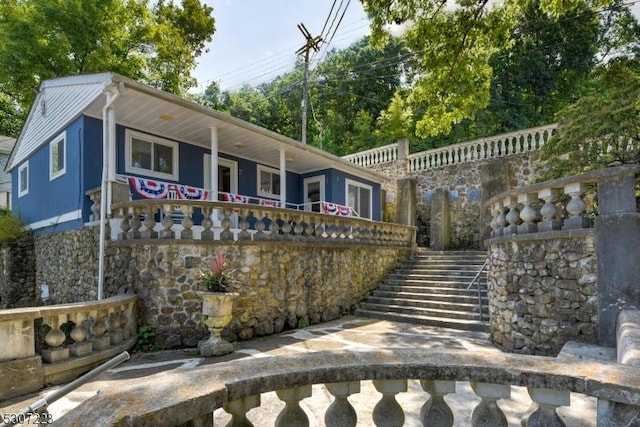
(467, 185)
(17, 275)
(543, 291)
(282, 285)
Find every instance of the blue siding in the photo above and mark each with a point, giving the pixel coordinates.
(47, 199)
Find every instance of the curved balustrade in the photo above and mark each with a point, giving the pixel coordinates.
(374, 156)
(77, 336)
(190, 396)
(176, 219)
(557, 204)
(518, 142)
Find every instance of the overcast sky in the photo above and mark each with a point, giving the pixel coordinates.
(256, 40)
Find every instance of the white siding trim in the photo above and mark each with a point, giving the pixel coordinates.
(22, 167)
(347, 183)
(263, 168)
(129, 168)
(55, 220)
(62, 169)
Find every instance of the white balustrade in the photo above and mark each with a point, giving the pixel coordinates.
(374, 156)
(249, 223)
(481, 149)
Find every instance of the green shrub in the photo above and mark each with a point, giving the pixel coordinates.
(11, 228)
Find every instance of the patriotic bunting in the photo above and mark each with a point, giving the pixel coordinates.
(272, 203)
(152, 189)
(236, 198)
(335, 209)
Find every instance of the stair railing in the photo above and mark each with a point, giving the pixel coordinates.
(479, 291)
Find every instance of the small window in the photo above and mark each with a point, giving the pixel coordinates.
(268, 181)
(359, 198)
(57, 157)
(23, 179)
(151, 155)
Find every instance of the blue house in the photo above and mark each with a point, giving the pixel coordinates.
(110, 132)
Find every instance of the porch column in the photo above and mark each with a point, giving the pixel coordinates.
(283, 178)
(213, 195)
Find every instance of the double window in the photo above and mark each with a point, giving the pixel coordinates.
(57, 157)
(268, 181)
(151, 155)
(359, 198)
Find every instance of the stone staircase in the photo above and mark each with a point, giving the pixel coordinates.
(431, 289)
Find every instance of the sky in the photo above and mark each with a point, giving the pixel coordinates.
(256, 40)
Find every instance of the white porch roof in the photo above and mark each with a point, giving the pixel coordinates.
(151, 110)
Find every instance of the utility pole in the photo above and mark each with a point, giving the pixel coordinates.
(310, 43)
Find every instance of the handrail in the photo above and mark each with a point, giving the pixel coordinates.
(479, 292)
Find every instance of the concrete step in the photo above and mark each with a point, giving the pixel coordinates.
(449, 306)
(433, 312)
(436, 281)
(457, 274)
(443, 297)
(449, 289)
(461, 324)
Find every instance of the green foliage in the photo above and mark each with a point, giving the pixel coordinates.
(11, 228)
(601, 129)
(145, 340)
(220, 276)
(44, 39)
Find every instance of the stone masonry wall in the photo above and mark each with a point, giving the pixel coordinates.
(281, 286)
(464, 184)
(17, 275)
(543, 292)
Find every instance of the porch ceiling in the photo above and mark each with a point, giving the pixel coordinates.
(159, 113)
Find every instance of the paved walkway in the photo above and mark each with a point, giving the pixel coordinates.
(345, 333)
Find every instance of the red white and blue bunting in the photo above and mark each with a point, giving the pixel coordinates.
(153, 189)
(335, 209)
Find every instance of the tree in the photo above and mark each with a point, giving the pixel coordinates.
(51, 38)
(601, 129)
(453, 46)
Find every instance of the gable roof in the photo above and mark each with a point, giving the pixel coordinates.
(144, 108)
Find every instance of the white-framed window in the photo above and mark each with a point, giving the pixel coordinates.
(268, 181)
(23, 179)
(57, 156)
(359, 197)
(151, 155)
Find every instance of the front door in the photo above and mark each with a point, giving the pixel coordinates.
(227, 175)
(313, 193)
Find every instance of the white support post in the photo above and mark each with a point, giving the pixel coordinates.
(214, 164)
(283, 178)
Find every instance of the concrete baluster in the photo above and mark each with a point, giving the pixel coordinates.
(149, 223)
(286, 229)
(124, 321)
(292, 415)
(226, 233)
(388, 412)
(260, 227)
(512, 217)
(435, 412)
(167, 223)
(341, 413)
(187, 223)
(487, 413)
(495, 224)
(239, 408)
(528, 214)
(115, 333)
(79, 334)
(207, 224)
(547, 400)
(98, 329)
(124, 227)
(298, 229)
(575, 207)
(54, 339)
(548, 210)
(244, 225)
(274, 228)
(136, 225)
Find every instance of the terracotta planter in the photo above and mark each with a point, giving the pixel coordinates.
(217, 313)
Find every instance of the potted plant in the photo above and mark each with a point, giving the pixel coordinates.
(217, 304)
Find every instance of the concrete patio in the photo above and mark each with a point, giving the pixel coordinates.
(347, 333)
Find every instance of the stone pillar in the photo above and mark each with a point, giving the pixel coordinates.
(406, 202)
(494, 179)
(440, 221)
(617, 231)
